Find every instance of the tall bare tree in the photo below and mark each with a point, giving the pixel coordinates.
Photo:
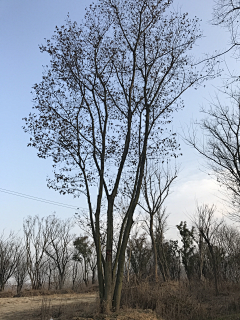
(102, 105)
(155, 189)
(160, 242)
(35, 241)
(21, 271)
(208, 226)
(59, 245)
(10, 255)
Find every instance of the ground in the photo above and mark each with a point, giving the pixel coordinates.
(38, 307)
(71, 306)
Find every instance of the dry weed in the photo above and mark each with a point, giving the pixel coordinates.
(67, 311)
(129, 314)
(182, 300)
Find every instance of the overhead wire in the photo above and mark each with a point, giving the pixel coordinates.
(26, 196)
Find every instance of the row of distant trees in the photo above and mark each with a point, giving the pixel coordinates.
(49, 255)
(209, 251)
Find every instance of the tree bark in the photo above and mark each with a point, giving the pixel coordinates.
(154, 248)
(215, 268)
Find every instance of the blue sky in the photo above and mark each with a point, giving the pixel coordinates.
(23, 26)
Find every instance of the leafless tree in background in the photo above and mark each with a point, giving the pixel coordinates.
(75, 273)
(50, 273)
(59, 245)
(208, 227)
(228, 240)
(159, 233)
(10, 255)
(155, 189)
(36, 237)
(21, 271)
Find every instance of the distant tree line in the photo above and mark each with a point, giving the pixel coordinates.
(209, 252)
(47, 256)
(50, 256)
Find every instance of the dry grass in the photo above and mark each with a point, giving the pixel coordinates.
(166, 301)
(89, 311)
(147, 301)
(11, 293)
(66, 311)
(184, 301)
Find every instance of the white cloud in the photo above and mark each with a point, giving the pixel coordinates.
(182, 202)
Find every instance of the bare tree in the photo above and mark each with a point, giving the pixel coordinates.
(35, 241)
(21, 271)
(228, 240)
(75, 273)
(226, 13)
(112, 85)
(155, 189)
(159, 232)
(10, 255)
(51, 274)
(58, 247)
(221, 147)
(208, 227)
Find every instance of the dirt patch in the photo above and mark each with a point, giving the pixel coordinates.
(29, 308)
(72, 306)
(131, 314)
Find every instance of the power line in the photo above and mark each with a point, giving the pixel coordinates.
(26, 196)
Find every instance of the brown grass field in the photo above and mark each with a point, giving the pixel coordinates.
(144, 301)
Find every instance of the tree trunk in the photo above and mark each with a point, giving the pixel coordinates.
(154, 248)
(93, 275)
(129, 263)
(99, 261)
(121, 262)
(201, 257)
(215, 268)
(108, 276)
(215, 271)
(61, 280)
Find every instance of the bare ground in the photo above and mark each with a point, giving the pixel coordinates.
(71, 306)
(37, 307)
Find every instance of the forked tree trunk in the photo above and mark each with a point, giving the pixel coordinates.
(120, 272)
(108, 275)
(100, 273)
